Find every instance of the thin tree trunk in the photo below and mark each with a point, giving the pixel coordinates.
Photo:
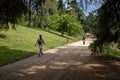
(116, 12)
(29, 20)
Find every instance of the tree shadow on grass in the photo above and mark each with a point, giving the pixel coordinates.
(3, 36)
(11, 55)
(52, 32)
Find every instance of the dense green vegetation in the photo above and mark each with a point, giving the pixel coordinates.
(108, 29)
(111, 51)
(65, 23)
(10, 11)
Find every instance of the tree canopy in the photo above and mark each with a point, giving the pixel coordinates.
(64, 23)
(10, 11)
(108, 29)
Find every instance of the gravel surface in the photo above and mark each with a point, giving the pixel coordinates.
(68, 62)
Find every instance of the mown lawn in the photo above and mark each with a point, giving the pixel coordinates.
(18, 44)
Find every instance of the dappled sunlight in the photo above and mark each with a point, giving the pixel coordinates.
(91, 66)
(33, 69)
(21, 75)
(60, 63)
(51, 51)
(116, 63)
(66, 63)
(57, 67)
(100, 75)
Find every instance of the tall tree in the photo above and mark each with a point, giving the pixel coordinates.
(91, 23)
(108, 25)
(29, 14)
(10, 11)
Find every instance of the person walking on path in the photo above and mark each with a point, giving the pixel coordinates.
(40, 42)
(83, 40)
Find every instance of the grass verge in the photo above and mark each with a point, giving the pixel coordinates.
(111, 51)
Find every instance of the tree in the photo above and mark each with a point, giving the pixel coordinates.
(108, 25)
(42, 10)
(60, 5)
(29, 19)
(66, 22)
(90, 23)
(10, 11)
(75, 10)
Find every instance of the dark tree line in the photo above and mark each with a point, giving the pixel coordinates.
(108, 29)
(10, 11)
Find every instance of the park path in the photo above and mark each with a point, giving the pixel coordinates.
(68, 62)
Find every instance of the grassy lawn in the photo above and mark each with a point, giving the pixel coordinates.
(18, 44)
(111, 51)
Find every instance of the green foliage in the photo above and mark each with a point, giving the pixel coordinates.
(81, 16)
(76, 11)
(10, 11)
(65, 23)
(108, 29)
(60, 4)
(43, 11)
(109, 22)
(50, 7)
(53, 19)
(108, 50)
(90, 23)
(23, 20)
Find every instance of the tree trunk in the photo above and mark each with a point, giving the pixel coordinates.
(29, 15)
(116, 12)
(62, 33)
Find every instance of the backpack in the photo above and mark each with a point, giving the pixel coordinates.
(39, 41)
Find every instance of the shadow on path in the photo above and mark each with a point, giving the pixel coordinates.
(63, 63)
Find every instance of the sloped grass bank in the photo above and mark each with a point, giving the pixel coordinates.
(20, 43)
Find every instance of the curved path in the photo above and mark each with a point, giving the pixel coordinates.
(68, 62)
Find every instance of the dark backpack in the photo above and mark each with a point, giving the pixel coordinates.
(39, 41)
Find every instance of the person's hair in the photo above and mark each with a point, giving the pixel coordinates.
(40, 36)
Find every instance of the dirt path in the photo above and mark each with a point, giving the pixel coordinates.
(68, 62)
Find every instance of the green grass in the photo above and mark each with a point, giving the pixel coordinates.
(18, 44)
(111, 51)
